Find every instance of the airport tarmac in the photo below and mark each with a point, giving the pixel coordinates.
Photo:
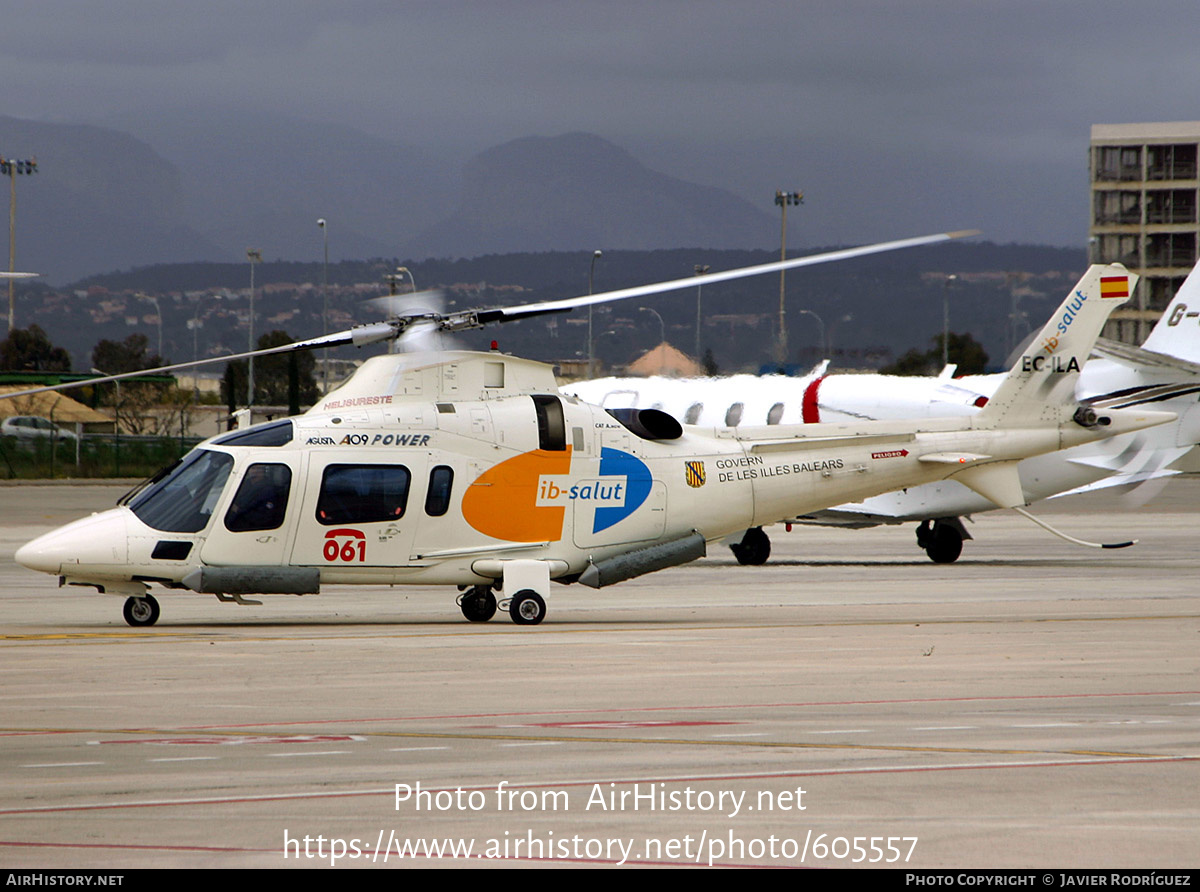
(850, 703)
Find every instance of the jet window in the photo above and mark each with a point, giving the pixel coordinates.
(734, 416)
(437, 499)
(775, 415)
(693, 413)
(183, 501)
(362, 494)
(261, 500)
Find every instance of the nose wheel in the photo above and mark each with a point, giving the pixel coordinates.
(141, 611)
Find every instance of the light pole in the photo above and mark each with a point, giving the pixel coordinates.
(194, 324)
(393, 280)
(662, 328)
(699, 269)
(321, 224)
(324, 227)
(13, 169)
(116, 421)
(946, 319)
(596, 255)
(821, 347)
(158, 313)
(783, 199)
(254, 257)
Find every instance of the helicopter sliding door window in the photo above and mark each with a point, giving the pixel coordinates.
(261, 500)
(552, 426)
(437, 499)
(362, 493)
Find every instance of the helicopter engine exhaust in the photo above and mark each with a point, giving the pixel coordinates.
(643, 560)
(254, 580)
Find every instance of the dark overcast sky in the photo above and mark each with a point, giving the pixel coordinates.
(894, 116)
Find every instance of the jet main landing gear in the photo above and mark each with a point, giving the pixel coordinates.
(943, 541)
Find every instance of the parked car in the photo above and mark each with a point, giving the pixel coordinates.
(33, 427)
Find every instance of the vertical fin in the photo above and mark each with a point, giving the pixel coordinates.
(1040, 388)
(1177, 333)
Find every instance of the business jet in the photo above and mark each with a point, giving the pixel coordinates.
(1164, 371)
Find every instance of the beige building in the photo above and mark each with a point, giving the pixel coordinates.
(1144, 213)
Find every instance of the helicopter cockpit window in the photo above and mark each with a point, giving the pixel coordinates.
(274, 433)
(261, 500)
(552, 425)
(362, 494)
(183, 501)
(437, 499)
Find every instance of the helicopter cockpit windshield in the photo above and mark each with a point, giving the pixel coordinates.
(183, 501)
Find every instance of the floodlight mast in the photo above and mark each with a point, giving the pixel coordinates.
(12, 169)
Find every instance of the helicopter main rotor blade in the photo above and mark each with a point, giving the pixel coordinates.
(374, 332)
(478, 318)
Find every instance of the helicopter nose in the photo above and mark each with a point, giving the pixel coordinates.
(97, 540)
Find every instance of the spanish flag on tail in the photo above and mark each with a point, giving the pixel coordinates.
(1114, 286)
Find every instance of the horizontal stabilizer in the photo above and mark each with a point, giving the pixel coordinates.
(1128, 354)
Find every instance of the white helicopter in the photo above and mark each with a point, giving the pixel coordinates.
(470, 469)
(1165, 371)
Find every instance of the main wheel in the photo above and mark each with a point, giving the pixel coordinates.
(943, 544)
(527, 608)
(141, 611)
(754, 549)
(478, 604)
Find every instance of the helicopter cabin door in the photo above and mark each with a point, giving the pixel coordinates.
(257, 523)
(360, 513)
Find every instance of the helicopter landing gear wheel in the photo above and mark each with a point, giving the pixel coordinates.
(942, 542)
(527, 608)
(478, 604)
(754, 549)
(141, 611)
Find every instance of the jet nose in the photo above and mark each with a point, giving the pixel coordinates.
(99, 540)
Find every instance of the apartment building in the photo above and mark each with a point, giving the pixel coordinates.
(1144, 213)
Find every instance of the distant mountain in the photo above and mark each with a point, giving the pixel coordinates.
(204, 185)
(580, 192)
(261, 180)
(101, 200)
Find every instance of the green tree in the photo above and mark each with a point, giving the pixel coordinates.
(136, 403)
(273, 376)
(28, 349)
(129, 355)
(963, 351)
